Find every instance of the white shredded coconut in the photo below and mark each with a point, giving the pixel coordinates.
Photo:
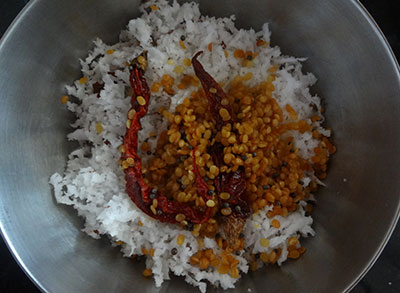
(93, 182)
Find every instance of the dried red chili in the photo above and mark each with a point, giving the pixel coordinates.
(140, 193)
(233, 183)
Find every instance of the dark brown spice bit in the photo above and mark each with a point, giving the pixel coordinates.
(97, 88)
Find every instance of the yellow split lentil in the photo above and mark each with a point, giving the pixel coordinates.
(155, 87)
(99, 128)
(83, 80)
(264, 242)
(141, 100)
(182, 44)
(147, 273)
(210, 203)
(187, 62)
(180, 239)
(64, 99)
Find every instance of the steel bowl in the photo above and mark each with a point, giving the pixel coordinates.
(358, 81)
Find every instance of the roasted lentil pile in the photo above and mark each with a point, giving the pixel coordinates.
(255, 142)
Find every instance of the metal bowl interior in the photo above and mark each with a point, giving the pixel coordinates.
(358, 80)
